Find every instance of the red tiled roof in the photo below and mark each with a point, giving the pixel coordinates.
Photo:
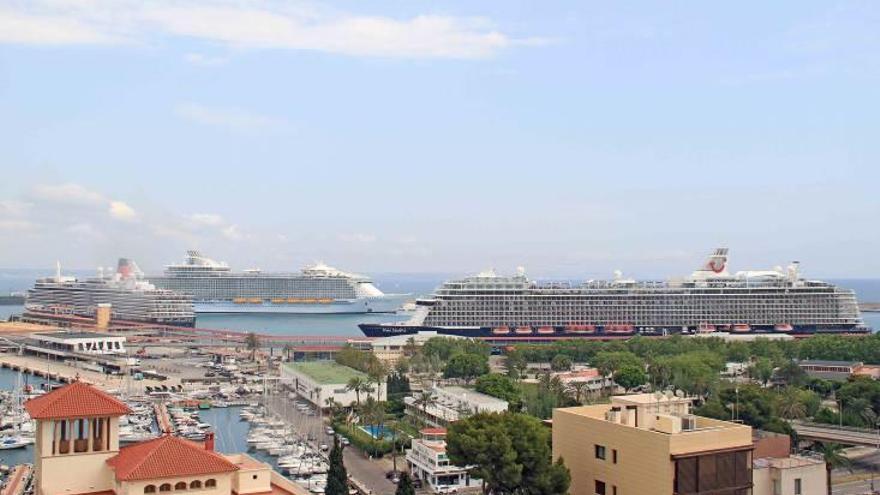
(76, 400)
(433, 431)
(165, 457)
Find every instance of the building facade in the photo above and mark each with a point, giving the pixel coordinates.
(649, 443)
(790, 475)
(82, 342)
(427, 461)
(320, 381)
(451, 404)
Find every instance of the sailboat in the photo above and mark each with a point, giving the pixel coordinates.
(16, 440)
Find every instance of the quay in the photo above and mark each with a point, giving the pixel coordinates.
(65, 373)
(162, 418)
(18, 480)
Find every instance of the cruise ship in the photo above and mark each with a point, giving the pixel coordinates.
(710, 300)
(131, 298)
(317, 289)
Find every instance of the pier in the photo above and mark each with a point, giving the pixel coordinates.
(18, 480)
(163, 418)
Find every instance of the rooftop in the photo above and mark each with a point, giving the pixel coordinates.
(820, 362)
(165, 457)
(77, 400)
(791, 462)
(77, 335)
(471, 396)
(326, 372)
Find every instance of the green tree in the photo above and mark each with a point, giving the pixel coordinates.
(516, 364)
(423, 401)
(560, 362)
(630, 376)
(761, 370)
(500, 386)
(405, 485)
(358, 384)
(577, 389)
(791, 405)
(792, 374)
(510, 452)
(337, 477)
(252, 343)
(466, 366)
(832, 453)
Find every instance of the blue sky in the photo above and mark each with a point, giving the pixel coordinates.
(572, 138)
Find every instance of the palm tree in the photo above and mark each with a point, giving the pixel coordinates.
(357, 384)
(578, 389)
(791, 406)
(252, 343)
(410, 348)
(425, 399)
(834, 458)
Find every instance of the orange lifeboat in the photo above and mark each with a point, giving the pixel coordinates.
(618, 328)
(546, 330)
(741, 328)
(523, 330)
(783, 327)
(501, 330)
(580, 329)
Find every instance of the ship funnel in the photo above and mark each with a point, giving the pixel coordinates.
(128, 269)
(717, 262)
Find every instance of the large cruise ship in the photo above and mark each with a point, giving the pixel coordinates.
(316, 289)
(131, 298)
(710, 300)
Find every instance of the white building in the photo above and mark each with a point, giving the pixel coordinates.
(81, 342)
(391, 349)
(452, 404)
(796, 475)
(428, 462)
(319, 381)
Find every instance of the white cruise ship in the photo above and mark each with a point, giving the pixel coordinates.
(710, 300)
(317, 289)
(131, 298)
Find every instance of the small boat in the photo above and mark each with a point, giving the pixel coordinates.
(14, 442)
(523, 330)
(503, 330)
(546, 330)
(783, 327)
(618, 328)
(741, 328)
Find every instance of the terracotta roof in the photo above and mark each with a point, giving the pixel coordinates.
(165, 457)
(76, 400)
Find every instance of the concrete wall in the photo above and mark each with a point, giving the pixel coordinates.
(74, 472)
(812, 480)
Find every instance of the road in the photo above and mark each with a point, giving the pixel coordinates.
(370, 473)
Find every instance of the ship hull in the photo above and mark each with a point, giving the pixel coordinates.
(388, 304)
(390, 329)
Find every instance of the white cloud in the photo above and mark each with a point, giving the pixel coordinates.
(73, 194)
(14, 207)
(209, 219)
(122, 211)
(232, 233)
(17, 225)
(359, 238)
(230, 118)
(253, 25)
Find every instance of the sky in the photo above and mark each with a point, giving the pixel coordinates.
(569, 137)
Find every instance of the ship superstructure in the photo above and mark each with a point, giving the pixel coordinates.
(131, 298)
(711, 299)
(317, 288)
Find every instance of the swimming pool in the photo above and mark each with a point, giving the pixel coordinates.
(377, 431)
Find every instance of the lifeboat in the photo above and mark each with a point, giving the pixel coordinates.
(279, 301)
(325, 300)
(239, 300)
(706, 328)
(292, 300)
(546, 330)
(523, 330)
(580, 329)
(309, 301)
(500, 330)
(618, 328)
(783, 327)
(741, 328)
(723, 328)
(255, 300)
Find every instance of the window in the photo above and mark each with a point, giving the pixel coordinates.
(150, 489)
(180, 485)
(211, 483)
(255, 476)
(797, 486)
(600, 452)
(165, 487)
(195, 484)
(600, 487)
(614, 490)
(614, 456)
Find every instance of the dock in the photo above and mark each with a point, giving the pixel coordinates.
(163, 418)
(65, 373)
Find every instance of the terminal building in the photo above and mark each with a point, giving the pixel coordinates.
(79, 343)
